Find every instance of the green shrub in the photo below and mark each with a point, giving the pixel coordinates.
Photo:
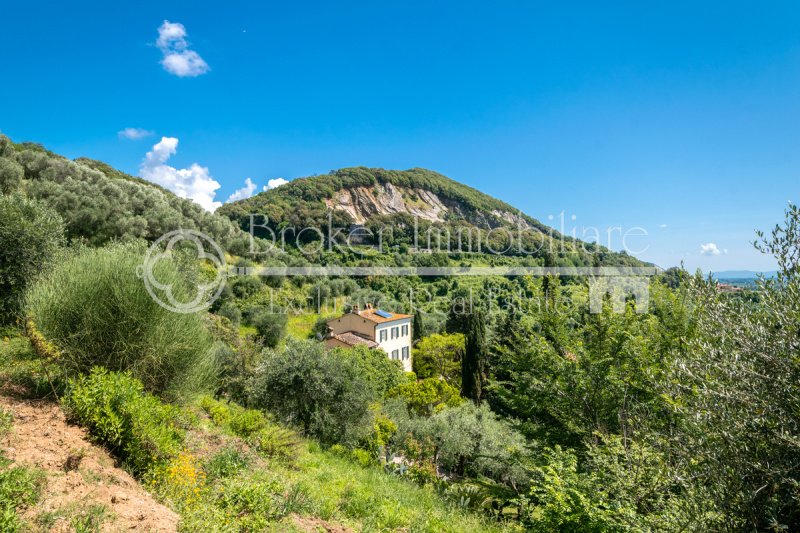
(138, 427)
(275, 441)
(246, 422)
(268, 438)
(219, 412)
(563, 499)
(225, 463)
(427, 396)
(270, 325)
(325, 393)
(95, 308)
(30, 233)
(338, 450)
(469, 440)
(362, 457)
(231, 312)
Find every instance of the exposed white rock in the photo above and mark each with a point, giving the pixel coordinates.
(362, 203)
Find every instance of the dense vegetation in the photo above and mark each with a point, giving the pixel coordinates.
(99, 204)
(31, 234)
(97, 312)
(527, 411)
(301, 204)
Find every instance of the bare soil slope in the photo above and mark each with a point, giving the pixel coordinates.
(82, 479)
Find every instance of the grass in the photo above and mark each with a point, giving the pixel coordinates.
(301, 325)
(240, 471)
(368, 499)
(318, 483)
(21, 370)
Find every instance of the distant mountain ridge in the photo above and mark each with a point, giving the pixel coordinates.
(742, 274)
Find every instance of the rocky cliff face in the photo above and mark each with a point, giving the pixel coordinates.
(361, 203)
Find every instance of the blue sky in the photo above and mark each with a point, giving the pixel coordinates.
(679, 118)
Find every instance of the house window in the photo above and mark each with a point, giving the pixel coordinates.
(382, 335)
(395, 332)
(405, 353)
(394, 354)
(405, 330)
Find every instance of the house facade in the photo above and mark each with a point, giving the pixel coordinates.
(375, 328)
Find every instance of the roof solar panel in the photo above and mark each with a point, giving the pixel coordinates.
(384, 314)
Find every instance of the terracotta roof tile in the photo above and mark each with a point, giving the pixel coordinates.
(353, 339)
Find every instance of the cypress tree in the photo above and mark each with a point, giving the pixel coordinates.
(473, 365)
(416, 327)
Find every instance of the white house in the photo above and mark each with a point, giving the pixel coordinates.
(390, 332)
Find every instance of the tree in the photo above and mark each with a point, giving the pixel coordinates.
(439, 356)
(473, 366)
(30, 234)
(11, 174)
(472, 440)
(427, 396)
(324, 392)
(738, 387)
(270, 324)
(416, 327)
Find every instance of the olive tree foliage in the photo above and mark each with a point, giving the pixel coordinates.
(11, 174)
(270, 324)
(325, 393)
(739, 389)
(30, 234)
(98, 203)
(473, 441)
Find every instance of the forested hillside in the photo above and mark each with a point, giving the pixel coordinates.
(416, 203)
(98, 203)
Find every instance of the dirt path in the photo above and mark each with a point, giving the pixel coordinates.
(82, 481)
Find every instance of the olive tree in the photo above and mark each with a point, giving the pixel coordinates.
(739, 389)
(30, 233)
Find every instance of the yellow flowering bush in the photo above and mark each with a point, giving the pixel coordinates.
(182, 481)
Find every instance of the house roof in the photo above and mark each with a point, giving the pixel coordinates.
(353, 339)
(379, 316)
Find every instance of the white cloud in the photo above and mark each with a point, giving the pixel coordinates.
(194, 182)
(243, 193)
(178, 59)
(134, 133)
(662, 226)
(711, 249)
(277, 182)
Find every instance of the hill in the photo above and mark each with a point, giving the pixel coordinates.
(99, 203)
(414, 203)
